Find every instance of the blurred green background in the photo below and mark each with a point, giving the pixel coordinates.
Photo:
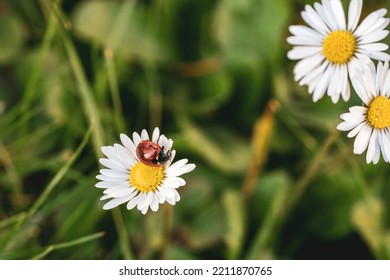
(274, 179)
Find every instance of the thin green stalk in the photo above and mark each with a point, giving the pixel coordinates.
(285, 201)
(113, 82)
(82, 85)
(311, 171)
(13, 174)
(119, 30)
(34, 77)
(85, 93)
(12, 220)
(36, 71)
(122, 234)
(69, 244)
(167, 232)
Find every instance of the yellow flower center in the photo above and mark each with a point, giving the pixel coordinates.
(146, 178)
(339, 46)
(378, 115)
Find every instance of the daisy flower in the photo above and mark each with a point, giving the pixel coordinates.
(370, 122)
(330, 48)
(146, 180)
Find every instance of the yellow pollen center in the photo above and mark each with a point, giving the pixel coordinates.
(378, 115)
(146, 178)
(339, 46)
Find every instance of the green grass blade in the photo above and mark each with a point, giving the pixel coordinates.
(72, 243)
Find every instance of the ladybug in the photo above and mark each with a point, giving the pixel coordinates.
(151, 154)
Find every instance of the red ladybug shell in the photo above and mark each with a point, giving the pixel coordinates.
(150, 153)
(147, 152)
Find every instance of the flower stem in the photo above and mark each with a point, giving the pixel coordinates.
(168, 217)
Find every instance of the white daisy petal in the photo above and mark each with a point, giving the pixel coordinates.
(311, 17)
(374, 47)
(141, 201)
(358, 110)
(112, 164)
(334, 80)
(182, 170)
(345, 126)
(144, 210)
(166, 191)
(354, 11)
(314, 74)
(378, 80)
(362, 139)
(126, 156)
(104, 184)
(322, 85)
(381, 56)
(328, 14)
(160, 196)
(133, 202)
(104, 197)
(136, 139)
(154, 204)
(373, 37)
(338, 12)
(361, 91)
(385, 146)
(353, 118)
(177, 195)
(356, 130)
(115, 202)
(307, 65)
(369, 21)
(382, 78)
(171, 201)
(120, 193)
(346, 93)
(301, 31)
(114, 173)
(144, 135)
(301, 41)
(148, 199)
(109, 179)
(114, 155)
(156, 134)
(300, 52)
(371, 150)
(119, 187)
(128, 144)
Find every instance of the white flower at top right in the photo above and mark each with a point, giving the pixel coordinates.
(334, 44)
(370, 123)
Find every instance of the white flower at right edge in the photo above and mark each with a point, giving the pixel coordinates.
(370, 122)
(334, 44)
